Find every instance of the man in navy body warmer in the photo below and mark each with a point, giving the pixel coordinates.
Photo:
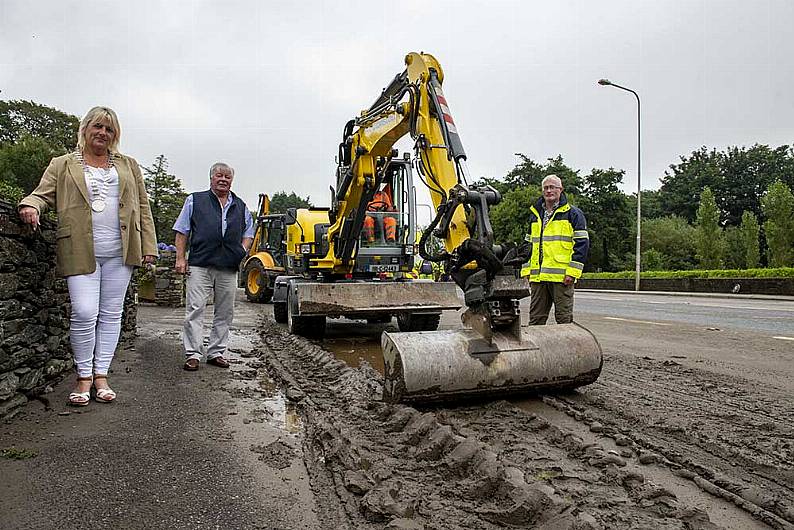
(217, 229)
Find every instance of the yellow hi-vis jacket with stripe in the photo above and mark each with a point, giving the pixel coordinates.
(560, 248)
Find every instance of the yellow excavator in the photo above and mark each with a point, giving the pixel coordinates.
(493, 353)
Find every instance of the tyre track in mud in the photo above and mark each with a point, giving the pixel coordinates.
(736, 443)
(486, 465)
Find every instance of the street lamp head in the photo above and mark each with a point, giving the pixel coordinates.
(604, 82)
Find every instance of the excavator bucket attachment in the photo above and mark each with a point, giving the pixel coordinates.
(446, 365)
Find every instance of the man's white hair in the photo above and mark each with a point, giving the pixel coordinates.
(220, 165)
(551, 177)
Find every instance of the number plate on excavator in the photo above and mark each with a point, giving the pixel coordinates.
(384, 268)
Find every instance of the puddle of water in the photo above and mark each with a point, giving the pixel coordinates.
(353, 351)
(352, 341)
(280, 412)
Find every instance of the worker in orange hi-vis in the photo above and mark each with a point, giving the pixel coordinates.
(381, 202)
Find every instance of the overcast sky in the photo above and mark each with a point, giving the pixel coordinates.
(267, 86)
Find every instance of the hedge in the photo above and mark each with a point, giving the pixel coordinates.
(785, 272)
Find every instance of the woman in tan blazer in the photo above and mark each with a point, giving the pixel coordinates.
(105, 228)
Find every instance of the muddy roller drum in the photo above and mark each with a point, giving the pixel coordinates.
(448, 364)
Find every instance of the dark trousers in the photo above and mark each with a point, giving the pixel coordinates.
(543, 295)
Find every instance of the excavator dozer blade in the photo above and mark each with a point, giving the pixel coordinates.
(445, 365)
(366, 297)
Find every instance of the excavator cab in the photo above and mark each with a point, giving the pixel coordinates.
(380, 222)
(385, 244)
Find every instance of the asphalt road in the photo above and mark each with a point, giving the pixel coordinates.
(771, 316)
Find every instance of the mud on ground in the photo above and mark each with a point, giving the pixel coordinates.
(653, 444)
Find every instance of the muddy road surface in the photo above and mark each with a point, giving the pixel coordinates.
(687, 427)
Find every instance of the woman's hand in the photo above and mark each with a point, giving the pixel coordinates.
(30, 216)
(149, 259)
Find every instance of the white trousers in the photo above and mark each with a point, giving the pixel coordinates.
(97, 305)
(200, 282)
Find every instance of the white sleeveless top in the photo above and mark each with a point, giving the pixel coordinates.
(107, 228)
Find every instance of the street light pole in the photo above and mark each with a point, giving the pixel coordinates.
(607, 82)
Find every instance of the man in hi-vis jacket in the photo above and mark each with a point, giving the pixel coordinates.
(558, 235)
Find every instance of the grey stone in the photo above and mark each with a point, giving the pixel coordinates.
(9, 282)
(10, 309)
(13, 327)
(7, 407)
(8, 385)
(56, 367)
(31, 380)
(53, 341)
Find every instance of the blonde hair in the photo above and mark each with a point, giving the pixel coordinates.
(98, 114)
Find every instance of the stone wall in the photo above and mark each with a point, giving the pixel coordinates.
(774, 286)
(169, 287)
(34, 313)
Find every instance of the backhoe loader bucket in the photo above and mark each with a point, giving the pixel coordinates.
(446, 365)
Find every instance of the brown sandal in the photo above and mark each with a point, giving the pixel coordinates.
(80, 399)
(103, 395)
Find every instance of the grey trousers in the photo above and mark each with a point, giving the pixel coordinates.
(201, 281)
(543, 295)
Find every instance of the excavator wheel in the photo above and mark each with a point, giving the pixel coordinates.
(256, 288)
(418, 321)
(280, 312)
(311, 327)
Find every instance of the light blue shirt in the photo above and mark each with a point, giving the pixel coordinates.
(182, 224)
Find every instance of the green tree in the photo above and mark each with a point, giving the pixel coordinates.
(652, 206)
(10, 193)
(738, 177)
(670, 236)
(708, 234)
(23, 163)
(681, 187)
(280, 201)
(608, 218)
(750, 232)
(735, 255)
(653, 260)
(510, 218)
(778, 207)
(166, 197)
(530, 173)
(26, 118)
